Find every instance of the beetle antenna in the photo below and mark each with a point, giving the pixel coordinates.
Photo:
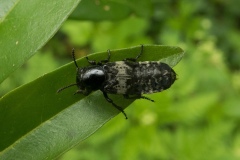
(74, 59)
(66, 87)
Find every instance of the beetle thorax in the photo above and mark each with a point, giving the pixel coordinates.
(90, 78)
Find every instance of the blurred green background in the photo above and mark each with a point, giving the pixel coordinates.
(198, 117)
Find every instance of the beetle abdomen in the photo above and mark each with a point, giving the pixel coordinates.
(136, 78)
(152, 77)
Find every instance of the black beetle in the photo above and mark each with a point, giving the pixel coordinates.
(128, 78)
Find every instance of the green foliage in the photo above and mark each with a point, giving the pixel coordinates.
(111, 10)
(25, 27)
(197, 118)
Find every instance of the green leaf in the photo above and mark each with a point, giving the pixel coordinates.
(111, 9)
(25, 26)
(37, 122)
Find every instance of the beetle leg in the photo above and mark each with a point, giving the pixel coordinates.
(92, 62)
(111, 101)
(135, 59)
(105, 60)
(137, 97)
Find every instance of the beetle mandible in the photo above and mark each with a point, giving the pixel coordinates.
(127, 77)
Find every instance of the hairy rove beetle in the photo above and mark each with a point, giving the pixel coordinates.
(127, 77)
